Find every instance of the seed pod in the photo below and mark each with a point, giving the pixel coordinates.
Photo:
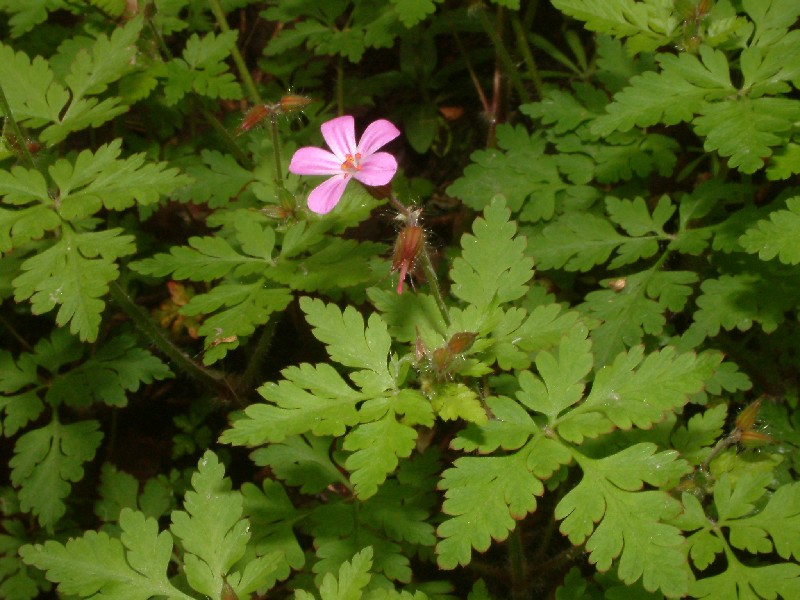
(291, 103)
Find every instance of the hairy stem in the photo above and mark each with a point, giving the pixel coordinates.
(340, 87)
(260, 352)
(504, 57)
(276, 150)
(527, 55)
(206, 377)
(516, 559)
(249, 84)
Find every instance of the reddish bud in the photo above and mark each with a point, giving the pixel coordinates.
(461, 342)
(253, 117)
(291, 103)
(407, 248)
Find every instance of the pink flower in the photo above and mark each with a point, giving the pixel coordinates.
(347, 160)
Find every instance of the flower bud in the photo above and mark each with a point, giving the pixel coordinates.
(754, 439)
(407, 248)
(253, 117)
(747, 417)
(291, 103)
(461, 342)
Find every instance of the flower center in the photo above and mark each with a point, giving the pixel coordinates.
(351, 164)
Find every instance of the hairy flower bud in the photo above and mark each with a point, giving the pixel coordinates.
(407, 248)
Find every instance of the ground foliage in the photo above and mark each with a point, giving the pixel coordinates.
(209, 391)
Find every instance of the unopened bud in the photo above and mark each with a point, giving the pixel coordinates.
(253, 117)
(291, 103)
(747, 417)
(407, 248)
(461, 342)
(754, 439)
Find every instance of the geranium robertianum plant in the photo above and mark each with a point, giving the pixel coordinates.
(589, 391)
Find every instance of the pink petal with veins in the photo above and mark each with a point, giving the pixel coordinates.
(327, 194)
(314, 161)
(378, 169)
(376, 135)
(340, 135)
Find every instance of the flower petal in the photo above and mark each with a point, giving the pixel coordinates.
(340, 135)
(377, 134)
(314, 161)
(327, 194)
(378, 169)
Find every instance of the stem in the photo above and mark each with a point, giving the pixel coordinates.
(10, 329)
(527, 54)
(6, 108)
(249, 84)
(504, 57)
(259, 353)
(340, 87)
(205, 377)
(227, 138)
(427, 265)
(516, 559)
(276, 150)
(472, 75)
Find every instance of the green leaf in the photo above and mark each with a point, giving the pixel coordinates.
(101, 178)
(351, 344)
(484, 497)
(217, 178)
(133, 567)
(203, 69)
(35, 98)
(638, 390)
(629, 522)
(775, 528)
(353, 578)
(637, 309)
(492, 268)
(746, 130)
(519, 170)
(115, 369)
(205, 259)
(411, 12)
(453, 401)
(19, 227)
(273, 518)
(737, 301)
(46, 460)
(562, 377)
(376, 447)
(300, 460)
(75, 273)
(510, 428)
(312, 399)
(648, 24)
(92, 71)
(740, 581)
(672, 96)
(338, 264)
(695, 439)
(211, 528)
(779, 236)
